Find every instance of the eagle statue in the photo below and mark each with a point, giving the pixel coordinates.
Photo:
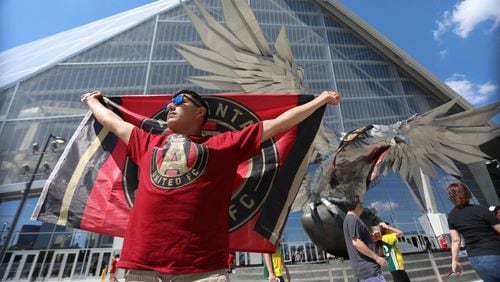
(419, 143)
(240, 59)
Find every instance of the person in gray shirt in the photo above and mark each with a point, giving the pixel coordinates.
(365, 263)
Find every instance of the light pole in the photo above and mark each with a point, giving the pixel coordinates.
(5, 246)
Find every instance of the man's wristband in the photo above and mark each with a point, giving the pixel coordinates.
(86, 96)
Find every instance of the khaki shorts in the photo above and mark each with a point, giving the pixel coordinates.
(153, 276)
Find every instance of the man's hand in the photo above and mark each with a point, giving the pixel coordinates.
(331, 97)
(294, 116)
(107, 117)
(456, 267)
(94, 94)
(381, 261)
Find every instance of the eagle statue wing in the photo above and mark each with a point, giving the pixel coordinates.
(435, 138)
(239, 55)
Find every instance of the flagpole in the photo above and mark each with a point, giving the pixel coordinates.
(57, 140)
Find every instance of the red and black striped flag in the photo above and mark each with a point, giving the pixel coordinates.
(93, 185)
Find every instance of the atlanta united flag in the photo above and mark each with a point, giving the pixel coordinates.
(93, 185)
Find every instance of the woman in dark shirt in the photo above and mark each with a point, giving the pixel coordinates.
(480, 229)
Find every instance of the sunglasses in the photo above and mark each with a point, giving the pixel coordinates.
(179, 99)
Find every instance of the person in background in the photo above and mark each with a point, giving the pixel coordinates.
(427, 245)
(297, 257)
(395, 263)
(480, 229)
(274, 265)
(231, 262)
(365, 263)
(443, 242)
(112, 269)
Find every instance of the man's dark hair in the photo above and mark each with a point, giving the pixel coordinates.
(197, 97)
(352, 202)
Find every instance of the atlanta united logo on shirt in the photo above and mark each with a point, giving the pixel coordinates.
(180, 162)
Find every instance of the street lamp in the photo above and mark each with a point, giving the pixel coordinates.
(57, 140)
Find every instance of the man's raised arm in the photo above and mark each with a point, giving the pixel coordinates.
(296, 115)
(106, 117)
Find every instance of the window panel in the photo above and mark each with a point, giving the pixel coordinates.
(133, 45)
(410, 88)
(168, 35)
(318, 76)
(354, 53)
(302, 6)
(422, 103)
(317, 71)
(279, 17)
(295, 5)
(370, 71)
(343, 37)
(176, 14)
(16, 147)
(330, 21)
(57, 91)
(170, 77)
(332, 118)
(5, 99)
(306, 43)
(179, 15)
(399, 208)
(363, 88)
(361, 112)
(356, 79)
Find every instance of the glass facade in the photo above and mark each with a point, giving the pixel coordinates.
(36, 235)
(143, 60)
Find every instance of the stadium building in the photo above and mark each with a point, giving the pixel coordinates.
(133, 53)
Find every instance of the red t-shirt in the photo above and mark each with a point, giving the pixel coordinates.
(230, 260)
(113, 265)
(179, 223)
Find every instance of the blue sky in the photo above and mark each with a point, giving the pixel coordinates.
(454, 40)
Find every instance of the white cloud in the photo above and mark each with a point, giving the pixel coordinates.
(466, 15)
(473, 92)
(443, 25)
(443, 53)
(487, 88)
(383, 206)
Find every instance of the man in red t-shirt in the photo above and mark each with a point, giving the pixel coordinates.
(178, 228)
